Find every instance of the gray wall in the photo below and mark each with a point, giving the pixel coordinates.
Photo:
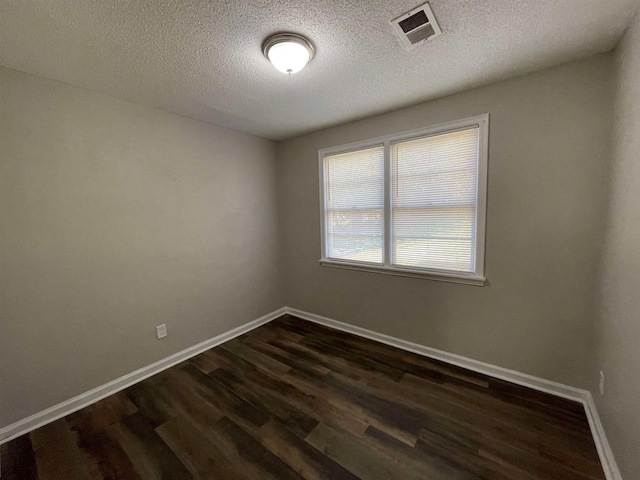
(549, 148)
(117, 218)
(618, 331)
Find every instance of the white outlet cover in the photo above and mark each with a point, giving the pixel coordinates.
(601, 385)
(161, 331)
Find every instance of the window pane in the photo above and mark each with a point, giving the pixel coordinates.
(354, 203)
(434, 237)
(355, 235)
(434, 194)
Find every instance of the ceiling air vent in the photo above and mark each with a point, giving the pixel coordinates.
(416, 26)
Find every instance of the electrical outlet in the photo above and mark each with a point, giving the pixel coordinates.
(161, 331)
(601, 384)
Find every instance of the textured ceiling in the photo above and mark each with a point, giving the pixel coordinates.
(202, 58)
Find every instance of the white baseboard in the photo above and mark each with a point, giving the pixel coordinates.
(607, 459)
(76, 403)
(494, 371)
(554, 388)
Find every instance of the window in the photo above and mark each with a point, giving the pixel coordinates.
(409, 204)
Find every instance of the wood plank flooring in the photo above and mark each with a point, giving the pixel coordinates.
(294, 400)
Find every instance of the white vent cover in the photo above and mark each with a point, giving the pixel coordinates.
(416, 26)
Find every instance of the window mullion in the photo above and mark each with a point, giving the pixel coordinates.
(387, 203)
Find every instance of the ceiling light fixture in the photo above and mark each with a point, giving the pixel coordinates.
(288, 52)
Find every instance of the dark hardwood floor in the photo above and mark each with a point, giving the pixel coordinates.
(292, 399)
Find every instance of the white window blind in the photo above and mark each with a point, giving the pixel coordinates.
(354, 205)
(434, 201)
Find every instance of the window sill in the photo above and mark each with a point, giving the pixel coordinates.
(405, 272)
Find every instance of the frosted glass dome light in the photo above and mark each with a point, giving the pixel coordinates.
(288, 52)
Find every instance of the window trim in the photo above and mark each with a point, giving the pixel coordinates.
(475, 278)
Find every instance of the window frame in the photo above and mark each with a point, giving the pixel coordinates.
(473, 278)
